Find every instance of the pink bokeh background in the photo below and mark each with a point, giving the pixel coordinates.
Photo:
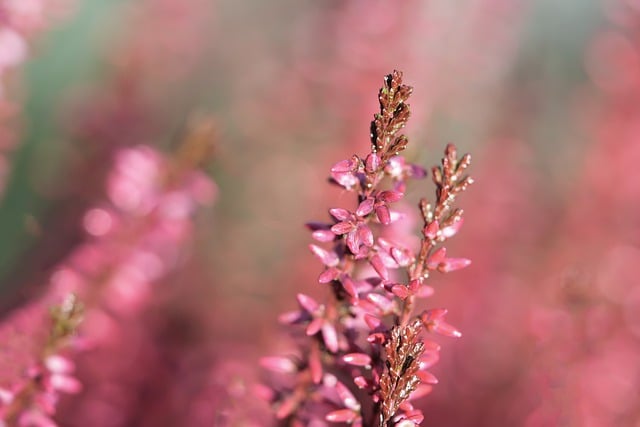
(545, 96)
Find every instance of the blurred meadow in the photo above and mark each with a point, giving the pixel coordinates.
(544, 94)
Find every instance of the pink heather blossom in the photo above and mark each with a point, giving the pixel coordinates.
(32, 398)
(132, 242)
(367, 332)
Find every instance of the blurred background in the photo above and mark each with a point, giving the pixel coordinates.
(544, 94)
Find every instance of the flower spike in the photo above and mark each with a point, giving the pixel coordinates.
(366, 333)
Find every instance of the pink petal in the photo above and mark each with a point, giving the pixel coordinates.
(349, 286)
(343, 173)
(378, 265)
(353, 241)
(363, 252)
(372, 321)
(376, 337)
(366, 235)
(414, 416)
(348, 399)
(65, 383)
(431, 346)
(360, 382)
(314, 326)
(382, 212)
(279, 364)
(453, 264)
(452, 229)
(366, 207)
(323, 235)
(421, 391)
(425, 291)
(263, 392)
(447, 330)
(434, 314)
(414, 285)
(315, 364)
(357, 359)
(433, 321)
(400, 291)
(388, 260)
(343, 166)
(307, 303)
(380, 301)
(14, 46)
(330, 337)
(288, 406)
(372, 162)
(395, 166)
(436, 258)
(386, 244)
(400, 186)
(341, 416)
(390, 196)
(395, 216)
(428, 359)
(6, 396)
(406, 406)
(342, 228)
(417, 172)
(366, 306)
(431, 230)
(59, 364)
(340, 214)
(329, 275)
(427, 377)
(290, 317)
(402, 257)
(330, 259)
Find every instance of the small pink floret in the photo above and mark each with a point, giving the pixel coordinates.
(279, 364)
(452, 264)
(341, 416)
(357, 359)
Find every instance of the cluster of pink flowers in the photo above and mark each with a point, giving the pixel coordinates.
(362, 358)
(138, 236)
(133, 241)
(32, 400)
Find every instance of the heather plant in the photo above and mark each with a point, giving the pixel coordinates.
(32, 400)
(133, 240)
(363, 355)
(137, 239)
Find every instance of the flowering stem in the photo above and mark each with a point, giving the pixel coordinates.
(366, 341)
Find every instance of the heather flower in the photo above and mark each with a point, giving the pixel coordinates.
(32, 401)
(134, 239)
(365, 357)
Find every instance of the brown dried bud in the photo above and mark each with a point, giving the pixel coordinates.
(399, 380)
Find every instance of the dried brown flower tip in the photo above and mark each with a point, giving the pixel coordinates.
(400, 379)
(449, 181)
(394, 113)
